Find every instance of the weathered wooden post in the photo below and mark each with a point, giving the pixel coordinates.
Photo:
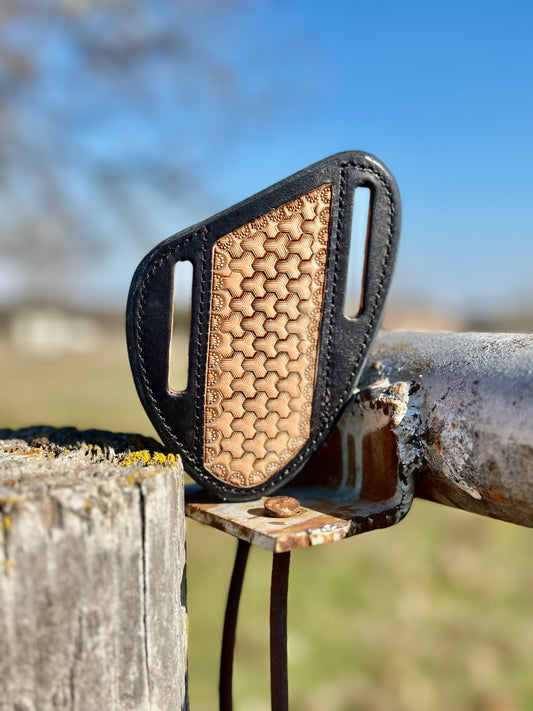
(92, 573)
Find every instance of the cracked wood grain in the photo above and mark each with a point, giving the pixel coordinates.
(92, 573)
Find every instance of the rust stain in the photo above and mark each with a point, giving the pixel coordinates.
(380, 465)
(351, 464)
(282, 506)
(324, 469)
(495, 495)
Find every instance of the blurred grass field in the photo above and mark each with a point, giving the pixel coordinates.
(435, 613)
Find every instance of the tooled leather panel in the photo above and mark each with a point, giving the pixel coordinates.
(266, 308)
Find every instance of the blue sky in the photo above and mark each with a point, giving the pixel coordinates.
(440, 92)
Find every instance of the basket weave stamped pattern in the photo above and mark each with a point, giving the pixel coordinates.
(266, 309)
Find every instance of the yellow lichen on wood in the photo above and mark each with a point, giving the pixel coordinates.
(141, 474)
(145, 458)
(6, 509)
(6, 504)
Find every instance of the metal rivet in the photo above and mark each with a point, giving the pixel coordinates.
(281, 506)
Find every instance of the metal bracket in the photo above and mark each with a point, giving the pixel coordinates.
(355, 483)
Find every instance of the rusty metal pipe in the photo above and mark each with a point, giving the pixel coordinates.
(460, 407)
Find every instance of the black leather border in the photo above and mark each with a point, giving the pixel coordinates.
(343, 343)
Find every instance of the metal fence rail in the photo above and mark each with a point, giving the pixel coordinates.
(466, 422)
